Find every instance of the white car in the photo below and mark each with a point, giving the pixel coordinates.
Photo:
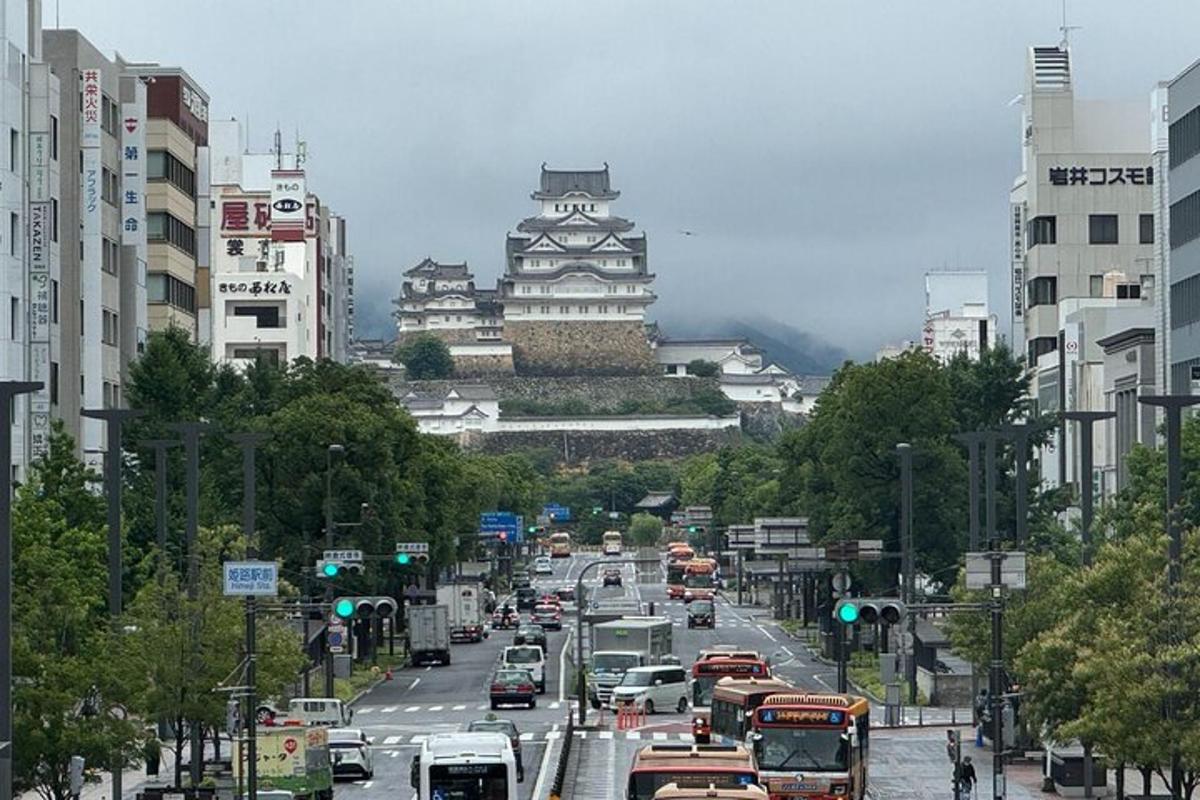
(528, 657)
(658, 688)
(350, 752)
(542, 566)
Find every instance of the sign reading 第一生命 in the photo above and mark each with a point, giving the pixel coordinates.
(258, 578)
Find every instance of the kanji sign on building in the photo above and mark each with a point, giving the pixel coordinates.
(1101, 176)
(90, 115)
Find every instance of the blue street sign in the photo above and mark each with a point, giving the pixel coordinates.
(556, 512)
(502, 521)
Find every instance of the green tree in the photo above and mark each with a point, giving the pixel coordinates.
(702, 369)
(645, 530)
(425, 357)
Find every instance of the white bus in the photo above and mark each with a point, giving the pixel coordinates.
(612, 543)
(465, 766)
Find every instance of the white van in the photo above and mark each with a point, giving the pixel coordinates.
(320, 711)
(528, 657)
(658, 688)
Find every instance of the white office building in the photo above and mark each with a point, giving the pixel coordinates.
(957, 319)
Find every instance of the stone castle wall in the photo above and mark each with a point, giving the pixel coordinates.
(597, 392)
(484, 367)
(447, 335)
(580, 348)
(575, 447)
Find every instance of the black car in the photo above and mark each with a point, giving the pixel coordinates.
(530, 633)
(612, 577)
(526, 598)
(701, 614)
(509, 729)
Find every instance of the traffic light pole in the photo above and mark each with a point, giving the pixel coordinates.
(908, 581)
(996, 674)
(8, 391)
(249, 442)
(326, 656)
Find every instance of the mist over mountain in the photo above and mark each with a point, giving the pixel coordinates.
(799, 351)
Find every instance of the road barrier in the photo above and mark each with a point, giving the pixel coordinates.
(630, 715)
(564, 755)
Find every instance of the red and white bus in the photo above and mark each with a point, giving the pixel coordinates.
(708, 670)
(690, 766)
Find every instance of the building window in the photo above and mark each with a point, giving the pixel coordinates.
(1145, 229)
(1185, 302)
(524, 289)
(564, 309)
(54, 137)
(1185, 220)
(1129, 291)
(14, 316)
(545, 309)
(109, 327)
(1102, 229)
(54, 301)
(14, 149)
(610, 289)
(163, 227)
(620, 262)
(584, 309)
(14, 232)
(164, 288)
(267, 316)
(1095, 286)
(1043, 291)
(1041, 230)
(109, 184)
(162, 166)
(54, 219)
(110, 256)
(1183, 138)
(1147, 282)
(1040, 345)
(108, 120)
(54, 383)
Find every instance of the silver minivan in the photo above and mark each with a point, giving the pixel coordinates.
(658, 688)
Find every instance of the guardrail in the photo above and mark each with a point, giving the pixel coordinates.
(923, 716)
(564, 756)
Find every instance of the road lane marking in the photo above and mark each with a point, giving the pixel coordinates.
(659, 736)
(481, 707)
(555, 705)
(395, 754)
(821, 681)
(553, 734)
(413, 685)
(364, 710)
(411, 709)
(605, 734)
(764, 633)
(459, 708)
(526, 737)
(427, 669)
(788, 651)
(437, 708)
(633, 734)
(418, 738)
(389, 710)
(393, 740)
(367, 784)
(543, 770)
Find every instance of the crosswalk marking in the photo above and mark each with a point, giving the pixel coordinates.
(419, 738)
(365, 710)
(481, 707)
(389, 709)
(408, 710)
(552, 735)
(526, 737)
(437, 708)
(606, 734)
(633, 734)
(555, 705)
(459, 708)
(393, 740)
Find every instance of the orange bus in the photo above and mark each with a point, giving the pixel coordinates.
(706, 672)
(673, 791)
(690, 766)
(734, 702)
(812, 745)
(560, 544)
(699, 579)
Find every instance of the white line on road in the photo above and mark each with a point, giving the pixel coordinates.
(788, 651)
(605, 734)
(395, 754)
(393, 740)
(633, 735)
(437, 708)
(822, 681)
(364, 710)
(427, 669)
(459, 708)
(764, 633)
(413, 685)
(526, 737)
(411, 709)
(367, 784)
(543, 770)
(419, 738)
(389, 710)
(659, 736)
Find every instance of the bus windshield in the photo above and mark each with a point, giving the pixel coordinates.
(801, 748)
(698, 581)
(675, 573)
(643, 784)
(468, 781)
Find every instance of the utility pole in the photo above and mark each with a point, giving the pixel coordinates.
(1173, 405)
(112, 418)
(327, 657)
(908, 580)
(8, 391)
(1087, 421)
(249, 443)
(1019, 432)
(996, 674)
(190, 433)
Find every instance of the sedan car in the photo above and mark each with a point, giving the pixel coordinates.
(543, 566)
(548, 616)
(612, 577)
(493, 724)
(701, 614)
(565, 594)
(505, 617)
(513, 687)
(529, 633)
(350, 753)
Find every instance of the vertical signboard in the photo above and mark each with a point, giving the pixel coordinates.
(39, 326)
(133, 196)
(90, 270)
(39, 167)
(287, 205)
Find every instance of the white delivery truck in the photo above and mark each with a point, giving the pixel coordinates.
(621, 644)
(464, 601)
(428, 634)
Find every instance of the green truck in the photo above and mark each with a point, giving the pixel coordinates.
(291, 758)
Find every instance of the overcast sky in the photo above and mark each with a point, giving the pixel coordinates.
(826, 154)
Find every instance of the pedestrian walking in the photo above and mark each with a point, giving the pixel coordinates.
(966, 779)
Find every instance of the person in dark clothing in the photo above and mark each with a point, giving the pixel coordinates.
(966, 778)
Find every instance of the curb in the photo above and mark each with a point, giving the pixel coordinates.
(371, 686)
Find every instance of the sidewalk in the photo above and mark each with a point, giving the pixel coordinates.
(132, 780)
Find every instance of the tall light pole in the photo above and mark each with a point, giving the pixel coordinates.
(113, 418)
(972, 440)
(8, 391)
(1019, 432)
(1173, 405)
(1087, 421)
(330, 451)
(160, 491)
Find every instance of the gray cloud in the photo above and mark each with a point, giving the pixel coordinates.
(825, 153)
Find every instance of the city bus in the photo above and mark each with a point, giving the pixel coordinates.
(690, 766)
(812, 745)
(734, 702)
(680, 552)
(699, 579)
(560, 544)
(465, 766)
(710, 668)
(673, 791)
(611, 543)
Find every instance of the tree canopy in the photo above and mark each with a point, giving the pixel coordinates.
(425, 356)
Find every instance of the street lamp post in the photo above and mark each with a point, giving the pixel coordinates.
(8, 391)
(1173, 405)
(160, 490)
(972, 440)
(908, 581)
(1087, 421)
(326, 656)
(113, 418)
(1020, 432)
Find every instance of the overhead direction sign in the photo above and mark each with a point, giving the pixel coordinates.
(557, 513)
(343, 555)
(495, 522)
(251, 578)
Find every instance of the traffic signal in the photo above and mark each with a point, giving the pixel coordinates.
(502, 536)
(412, 559)
(329, 568)
(869, 610)
(366, 607)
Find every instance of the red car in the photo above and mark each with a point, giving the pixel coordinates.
(505, 617)
(548, 616)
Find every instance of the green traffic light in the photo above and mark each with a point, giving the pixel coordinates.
(403, 558)
(330, 569)
(848, 613)
(344, 608)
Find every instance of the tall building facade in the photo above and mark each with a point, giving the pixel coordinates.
(1181, 259)
(1082, 209)
(576, 285)
(957, 319)
(98, 301)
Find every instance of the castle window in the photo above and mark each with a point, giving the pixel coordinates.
(545, 289)
(524, 289)
(620, 262)
(446, 318)
(593, 207)
(620, 309)
(611, 289)
(545, 309)
(583, 309)
(564, 309)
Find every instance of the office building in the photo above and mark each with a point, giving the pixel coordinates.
(957, 319)
(1181, 259)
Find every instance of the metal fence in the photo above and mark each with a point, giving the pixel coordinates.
(921, 717)
(564, 756)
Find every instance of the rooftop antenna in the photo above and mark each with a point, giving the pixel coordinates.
(1066, 29)
(278, 148)
(301, 150)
